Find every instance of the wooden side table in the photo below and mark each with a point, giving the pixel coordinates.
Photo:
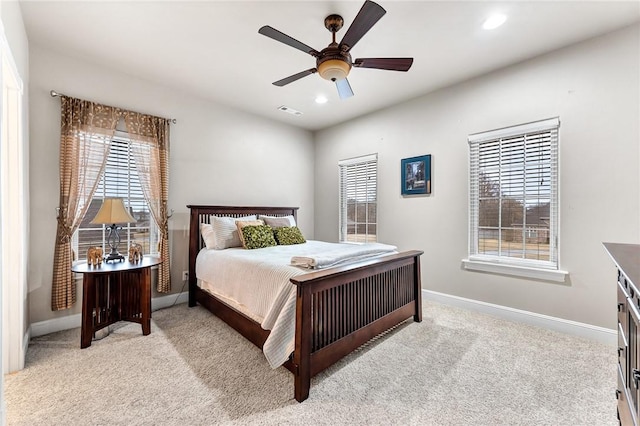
(112, 292)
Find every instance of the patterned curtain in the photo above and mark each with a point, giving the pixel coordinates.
(86, 133)
(151, 151)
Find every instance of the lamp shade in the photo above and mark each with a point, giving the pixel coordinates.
(112, 212)
(334, 69)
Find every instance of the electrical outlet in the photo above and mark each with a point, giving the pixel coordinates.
(185, 275)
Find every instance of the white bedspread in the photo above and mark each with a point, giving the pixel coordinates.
(257, 281)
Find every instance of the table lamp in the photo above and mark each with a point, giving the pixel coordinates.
(113, 213)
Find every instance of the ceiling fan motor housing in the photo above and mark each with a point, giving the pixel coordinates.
(333, 63)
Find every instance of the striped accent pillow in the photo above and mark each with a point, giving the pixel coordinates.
(225, 231)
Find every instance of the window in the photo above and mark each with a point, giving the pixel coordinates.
(120, 179)
(358, 199)
(514, 196)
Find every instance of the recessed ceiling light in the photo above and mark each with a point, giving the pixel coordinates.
(321, 99)
(494, 21)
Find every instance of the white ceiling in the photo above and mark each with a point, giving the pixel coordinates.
(212, 49)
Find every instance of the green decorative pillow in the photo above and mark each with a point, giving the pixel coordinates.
(286, 236)
(258, 236)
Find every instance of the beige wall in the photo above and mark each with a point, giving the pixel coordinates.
(594, 88)
(218, 156)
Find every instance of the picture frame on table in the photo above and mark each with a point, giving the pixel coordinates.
(416, 175)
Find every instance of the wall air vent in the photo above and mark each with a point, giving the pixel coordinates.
(289, 110)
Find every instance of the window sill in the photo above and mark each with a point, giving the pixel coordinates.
(519, 271)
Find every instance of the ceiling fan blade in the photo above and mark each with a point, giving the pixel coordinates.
(289, 41)
(392, 64)
(369, 14)
(294, 77)
(344, 88)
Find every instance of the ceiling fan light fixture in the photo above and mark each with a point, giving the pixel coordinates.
(334, 69)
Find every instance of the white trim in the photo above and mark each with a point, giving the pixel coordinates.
(25, 345)
(356, 174)
(499, 263)
(358, 160)
(169, 300)
(14, 220)
(4, 47)
(57, 324)
(592, 332)
(556, 275)
(74, 321)
(535, 126)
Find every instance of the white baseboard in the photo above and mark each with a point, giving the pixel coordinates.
(73, 321)
(169, 300)
(599, 334)
(41, 328)
(25, 346)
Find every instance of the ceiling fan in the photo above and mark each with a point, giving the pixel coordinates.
(334, 61)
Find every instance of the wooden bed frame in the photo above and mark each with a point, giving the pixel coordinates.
(337, 309)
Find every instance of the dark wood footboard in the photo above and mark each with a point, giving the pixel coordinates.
(337, 309)
(340, 309)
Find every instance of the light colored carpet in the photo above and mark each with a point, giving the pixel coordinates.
(455, 368)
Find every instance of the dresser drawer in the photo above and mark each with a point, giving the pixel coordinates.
(623, 309)
(623, 350)
(624, 410)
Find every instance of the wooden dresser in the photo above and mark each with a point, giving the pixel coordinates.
(627, 259)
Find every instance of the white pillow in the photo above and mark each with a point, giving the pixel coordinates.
(278, 221)
(208, 235)
(225, 231)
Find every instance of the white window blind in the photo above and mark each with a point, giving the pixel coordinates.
(358, 199)
(514, 195)
(120, 179)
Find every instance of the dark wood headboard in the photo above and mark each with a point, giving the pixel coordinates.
(201, 214)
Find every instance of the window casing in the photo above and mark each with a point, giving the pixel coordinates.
(358, 199)
(13, 216)
(513, 218)
(120, 179)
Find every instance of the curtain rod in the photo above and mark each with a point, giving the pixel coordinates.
(55, 94)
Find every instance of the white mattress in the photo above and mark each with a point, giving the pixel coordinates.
(256, 282)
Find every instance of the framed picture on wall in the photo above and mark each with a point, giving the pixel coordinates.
(416, 175)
